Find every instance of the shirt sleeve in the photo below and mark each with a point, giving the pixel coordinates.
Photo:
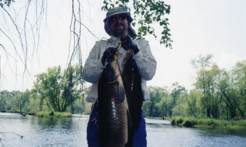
(93, 66)
(145, 60)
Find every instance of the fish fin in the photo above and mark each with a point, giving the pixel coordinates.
(122, 93)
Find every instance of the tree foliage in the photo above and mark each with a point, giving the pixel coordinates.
(162, 102)
(207, 79)
(146, 14)
(59, 89)
(217, 93)
(223, 90)
(54, 90)
(5, 2)
(15, 101)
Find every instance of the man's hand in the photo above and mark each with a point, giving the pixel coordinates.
(108, 55)
(129, 44)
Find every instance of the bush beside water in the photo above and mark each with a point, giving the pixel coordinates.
(207, 123)
(53, 114)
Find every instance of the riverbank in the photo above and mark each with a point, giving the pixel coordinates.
(53, 114)
(44, 114)
(207, 123)
(71, 132)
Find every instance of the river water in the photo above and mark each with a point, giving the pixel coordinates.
(30, 131)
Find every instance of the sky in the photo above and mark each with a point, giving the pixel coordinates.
(197, 28)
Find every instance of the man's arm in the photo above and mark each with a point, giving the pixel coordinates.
(93, 65)
(145, 60)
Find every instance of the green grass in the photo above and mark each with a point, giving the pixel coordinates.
(53, 114)
(207, 123)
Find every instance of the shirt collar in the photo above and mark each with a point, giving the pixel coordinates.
(114, 40)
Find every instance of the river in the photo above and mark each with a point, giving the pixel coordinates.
(30, 131)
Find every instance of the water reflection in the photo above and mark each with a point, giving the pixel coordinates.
(71, 132)
(44, 123)
(222, 132)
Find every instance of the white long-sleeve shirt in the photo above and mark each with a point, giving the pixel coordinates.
(93, 66)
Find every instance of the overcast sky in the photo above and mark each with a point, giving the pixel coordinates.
(197, 27)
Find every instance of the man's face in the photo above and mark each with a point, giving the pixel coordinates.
(118, 25)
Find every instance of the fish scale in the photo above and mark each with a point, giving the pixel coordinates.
(120, 100)
(112, 108)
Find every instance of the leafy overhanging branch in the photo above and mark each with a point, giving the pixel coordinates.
(6, 2)
(147, 13)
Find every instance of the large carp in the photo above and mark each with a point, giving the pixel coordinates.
(132, 84)
(113, 118)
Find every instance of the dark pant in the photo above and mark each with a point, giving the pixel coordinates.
(139, 138)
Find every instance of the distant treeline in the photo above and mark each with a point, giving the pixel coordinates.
(217, 93)
(54, 90)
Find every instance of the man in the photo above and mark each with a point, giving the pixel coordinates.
(118, 26)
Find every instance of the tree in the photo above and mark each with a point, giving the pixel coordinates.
(224, 91)
(239, 72)
(232, 87)
(164, 107)
(152, 107)
(24, 100)
(195, 104)
(60, 90)
(177, 93)
(38, 91)
(207, 79)
(4, 95)
(227, 93)
(70, 83)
